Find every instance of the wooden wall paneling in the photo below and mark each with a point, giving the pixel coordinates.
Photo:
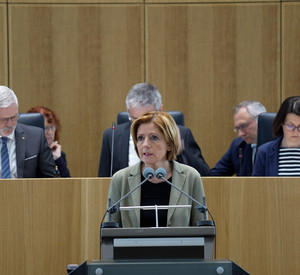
(49, 223)
(3, 45)
(205, 1)
(79, 60)
(257, 226)
(73, 1)
(207, 58)
(290, 49)
(94, 194)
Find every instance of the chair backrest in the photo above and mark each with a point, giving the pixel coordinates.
(178, 117)
(265, 128)
(33, 119)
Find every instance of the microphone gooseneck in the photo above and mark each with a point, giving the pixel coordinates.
(160, 173)
(148, 173)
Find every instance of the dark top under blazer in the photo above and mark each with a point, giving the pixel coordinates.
(191, 155)
(230, 163)
(34, 157)
(184, 177)
(266, 163)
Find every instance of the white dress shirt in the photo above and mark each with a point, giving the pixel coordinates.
(132, 157)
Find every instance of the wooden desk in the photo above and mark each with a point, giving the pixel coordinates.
(46, 224)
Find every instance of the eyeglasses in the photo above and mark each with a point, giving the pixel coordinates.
(291, 128)
(243, 127)
(52, 128)
(13, 119)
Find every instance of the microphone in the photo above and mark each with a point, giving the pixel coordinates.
(112, 148)
(148, 173)
(160, 173)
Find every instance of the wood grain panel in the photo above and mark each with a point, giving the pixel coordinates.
(49, 223)
(290, 49)
(3, 45)
(214, 2)
(79, 60)
(73, 1)
(257, 226)
(207, 58)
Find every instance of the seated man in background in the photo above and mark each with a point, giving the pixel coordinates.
(24, 149)
(142, 98)
(239, 159)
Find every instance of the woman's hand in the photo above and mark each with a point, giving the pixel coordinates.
(56, 150)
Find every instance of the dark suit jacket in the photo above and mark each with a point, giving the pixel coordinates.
(184, 178)
(191, 155)
(266, 163)
(34, 157)
(230, 163)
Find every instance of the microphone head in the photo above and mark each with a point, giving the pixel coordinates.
(148, 173)
(160, 173)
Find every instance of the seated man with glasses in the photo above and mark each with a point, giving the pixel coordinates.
(281, 157)
(239, 158)
(24, 149)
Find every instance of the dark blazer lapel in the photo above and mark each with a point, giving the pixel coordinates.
(274, 157)
(134, 180)
(178, 179)
(20, 150)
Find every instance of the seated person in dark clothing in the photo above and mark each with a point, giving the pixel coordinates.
(24, 149)
(52, 131)
(142, 98)
(240, 156)
(281, 157)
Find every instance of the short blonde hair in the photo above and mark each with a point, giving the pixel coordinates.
(167, 126)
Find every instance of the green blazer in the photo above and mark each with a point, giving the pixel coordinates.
(184, 177)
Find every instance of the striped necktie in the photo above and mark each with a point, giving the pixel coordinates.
(5, 168)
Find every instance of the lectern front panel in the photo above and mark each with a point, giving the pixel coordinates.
(158, 248)
(157, 243)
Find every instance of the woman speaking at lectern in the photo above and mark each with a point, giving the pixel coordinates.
(156, 139)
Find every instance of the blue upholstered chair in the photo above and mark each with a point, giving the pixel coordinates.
(33, 119)
(265, 128)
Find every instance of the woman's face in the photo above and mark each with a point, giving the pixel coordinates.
(291, 135)
(50, 130)
(151, 144)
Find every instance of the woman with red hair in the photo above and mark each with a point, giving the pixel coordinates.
(52, 131)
